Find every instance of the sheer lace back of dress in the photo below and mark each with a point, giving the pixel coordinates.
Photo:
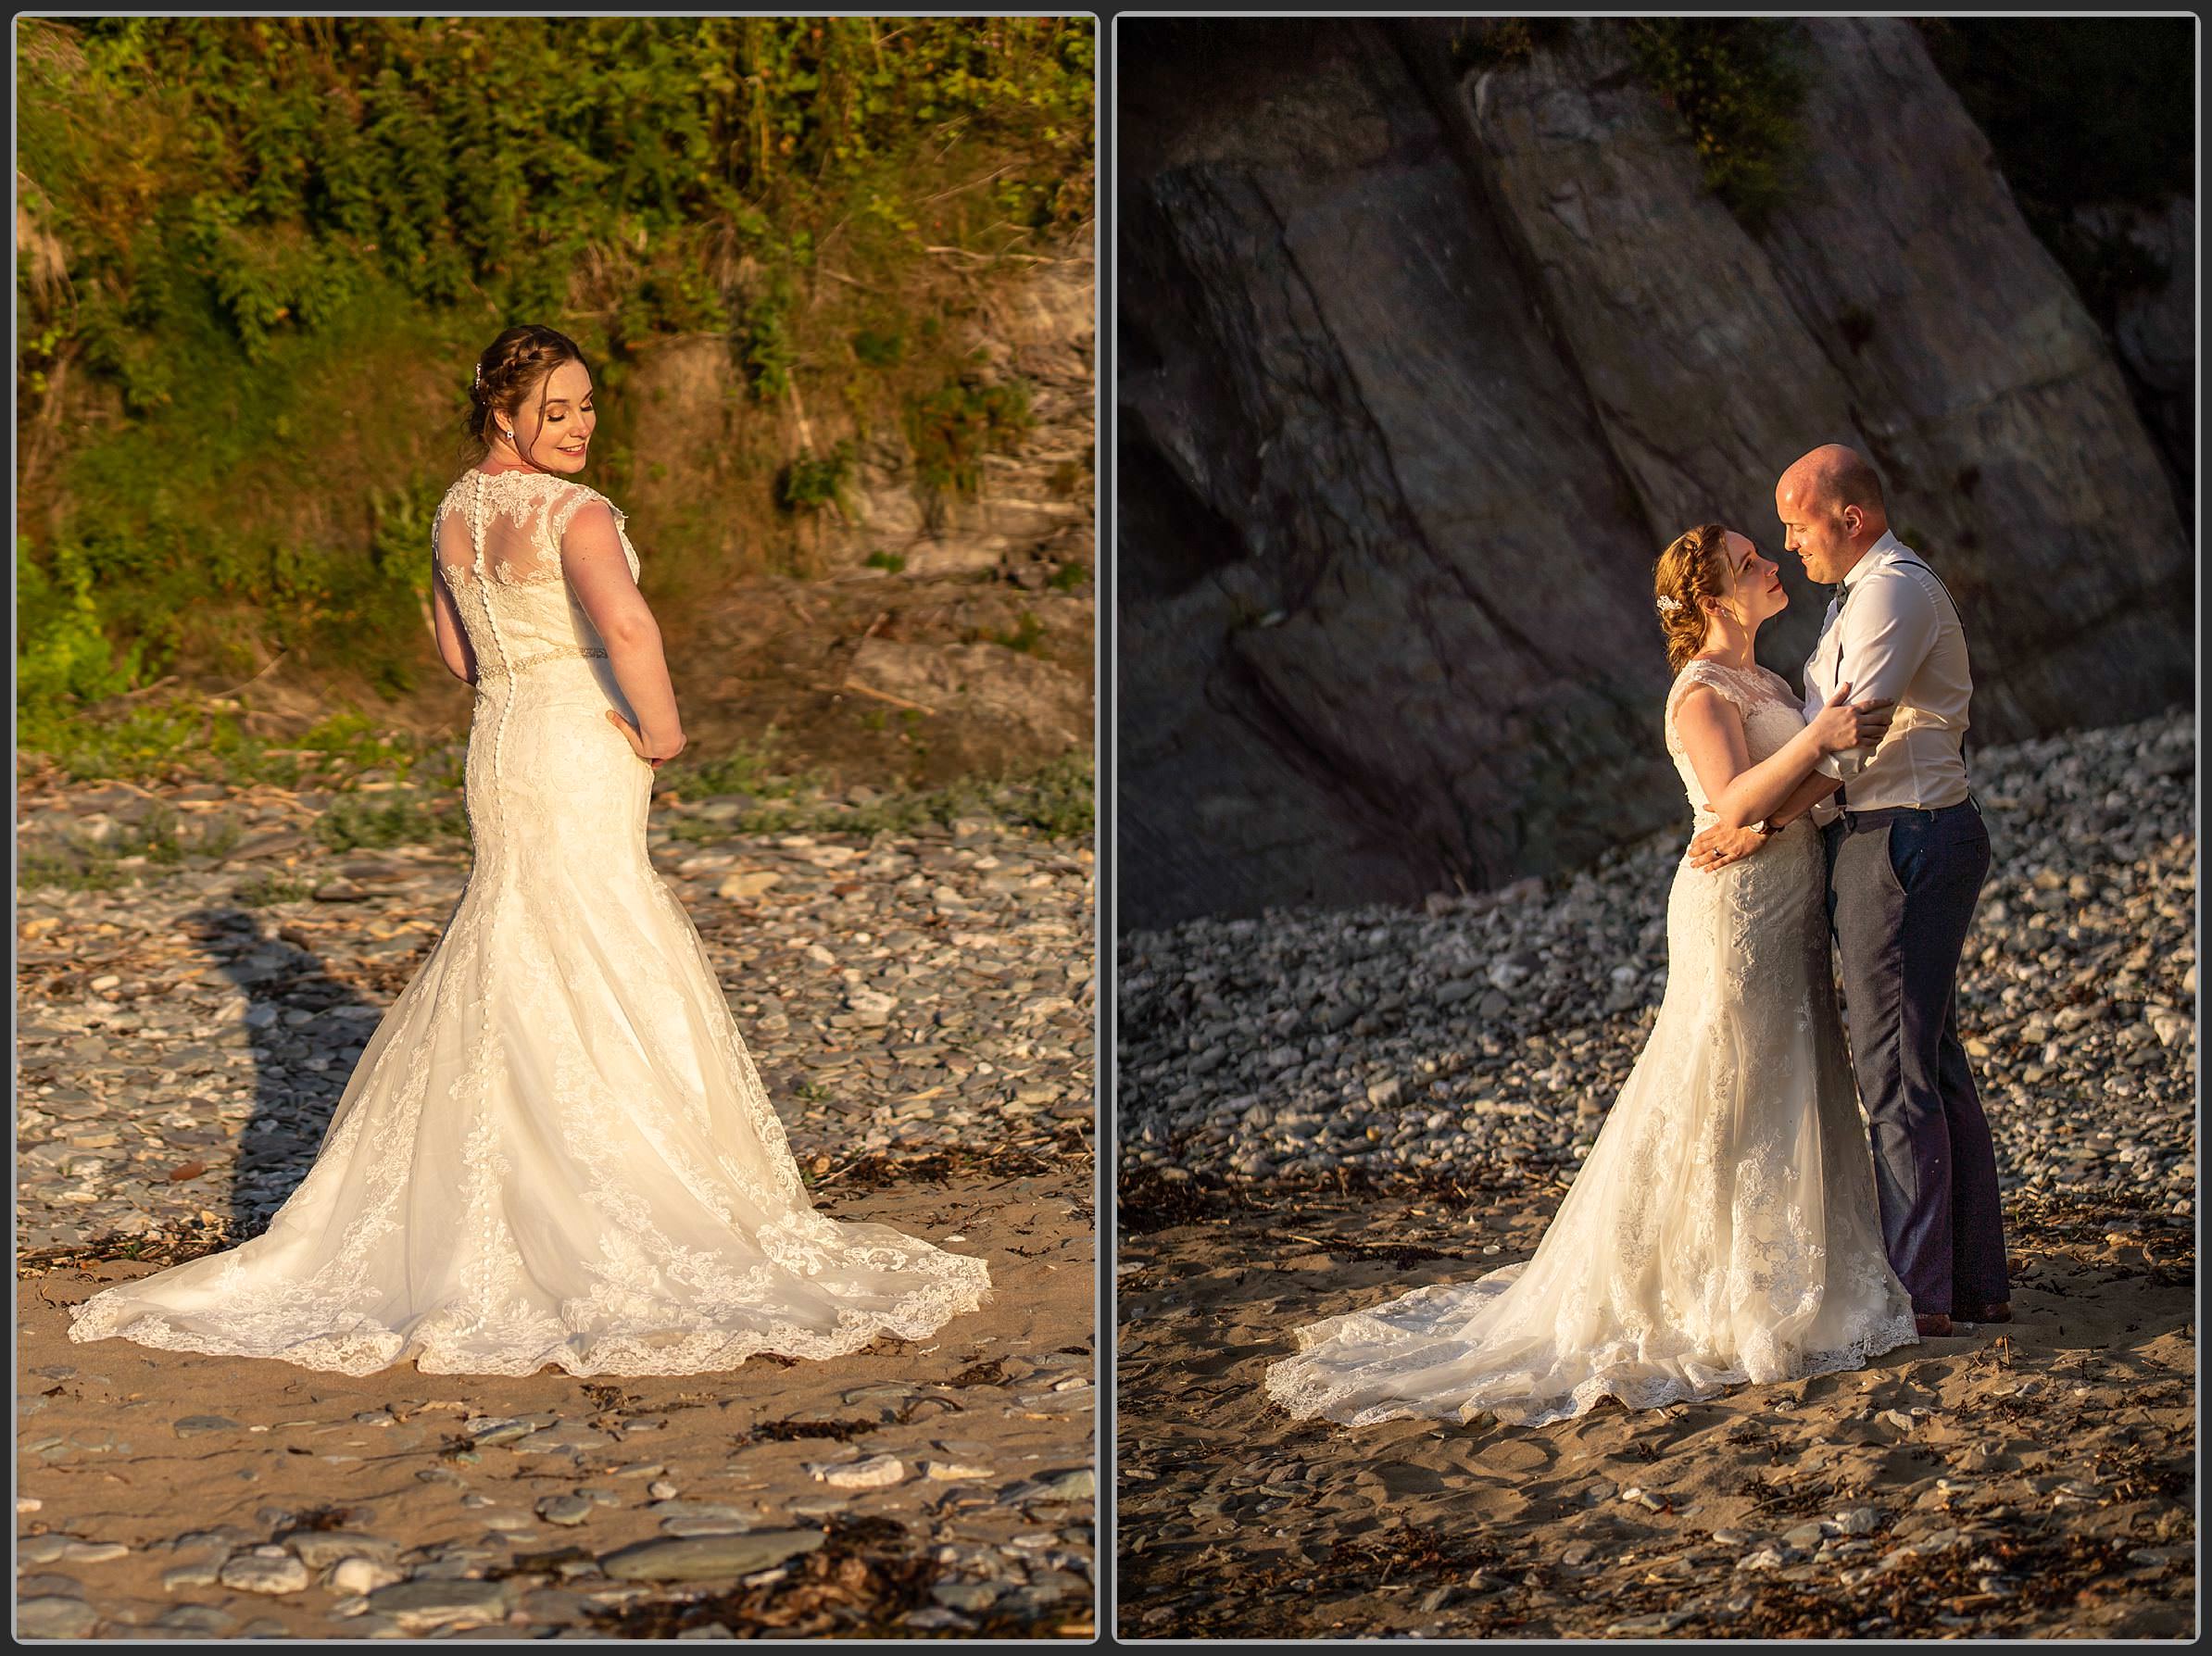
(508, 526)
(497, 540)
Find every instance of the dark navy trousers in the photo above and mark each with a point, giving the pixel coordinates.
(1901, 891)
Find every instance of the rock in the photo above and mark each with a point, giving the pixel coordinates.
(565, 1509)
(971, 1595)
(318, 1549)
(50, 1615)
(419, 1605)
(708, 1558)
(204, 1621)
(265, 1569)
(93, 1552)
(363, 1575)
(1296, 508)
(198, 1426)
(953, 1471)
(877, 1472)
(979, 681)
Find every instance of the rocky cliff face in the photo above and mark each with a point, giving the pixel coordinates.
(1418, 372)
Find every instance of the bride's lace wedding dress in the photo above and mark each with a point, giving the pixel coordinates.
(555, 1148)
(1723, 1228)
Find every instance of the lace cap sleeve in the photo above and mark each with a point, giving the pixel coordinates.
(1724, 681)
(573, 500)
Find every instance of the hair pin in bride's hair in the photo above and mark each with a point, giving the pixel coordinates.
(1668, 604)
(479, 376)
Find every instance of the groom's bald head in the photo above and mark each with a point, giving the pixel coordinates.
(1833, 476)
(1832, 508)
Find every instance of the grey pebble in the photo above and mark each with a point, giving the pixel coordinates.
(52, 1616)
(708, 1558)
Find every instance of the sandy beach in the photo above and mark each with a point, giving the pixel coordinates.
(2033, 1480)
(935, 1487)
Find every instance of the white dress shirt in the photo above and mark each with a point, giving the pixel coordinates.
(1893, 630)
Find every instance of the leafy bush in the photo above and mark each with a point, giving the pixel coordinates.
(1736, 85)
(257, 255)
(952, 427)
(811, 482)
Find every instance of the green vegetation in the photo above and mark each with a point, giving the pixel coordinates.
(1024, 635)
(1484, 42)
(1056, 798)
(2081, 112)
(880, 560)
(190, 738)
(811, 482)
(760, 771)
(400, 817)
(259, 254)
(266, 890)
(953, 426)
(1735, 84)
(82, 862)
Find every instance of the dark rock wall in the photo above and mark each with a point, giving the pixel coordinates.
(1417, 374)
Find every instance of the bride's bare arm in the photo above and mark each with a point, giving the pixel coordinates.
(591, 555)
(1713, 849)
(1740, 792)
(1803, 798)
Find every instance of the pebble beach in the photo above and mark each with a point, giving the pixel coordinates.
(921, 1006)
(1319, 1110)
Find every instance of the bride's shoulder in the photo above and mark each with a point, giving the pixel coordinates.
(574, 496)
(1739, 690)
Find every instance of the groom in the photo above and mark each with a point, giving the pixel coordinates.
(1907, 852)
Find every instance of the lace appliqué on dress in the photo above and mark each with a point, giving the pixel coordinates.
(1722, 1229)
(556, 1147)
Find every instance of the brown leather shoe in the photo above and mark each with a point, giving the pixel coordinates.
(1932, 1326)
(1985, 1313)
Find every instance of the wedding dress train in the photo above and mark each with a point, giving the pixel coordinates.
(555, 1148)
(1723, 1228)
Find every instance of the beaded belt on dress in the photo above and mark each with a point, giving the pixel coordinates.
(503, 670)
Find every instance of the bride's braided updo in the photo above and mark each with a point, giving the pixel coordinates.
(1692, 569)
(517, 360)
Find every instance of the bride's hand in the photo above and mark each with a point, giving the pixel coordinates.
(655, 754)
(1718, 846)
(1842, 725)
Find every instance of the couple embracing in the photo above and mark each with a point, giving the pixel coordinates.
(1730, 1224)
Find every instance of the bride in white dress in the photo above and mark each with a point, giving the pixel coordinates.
(1724, 1227)
(555, 1149)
